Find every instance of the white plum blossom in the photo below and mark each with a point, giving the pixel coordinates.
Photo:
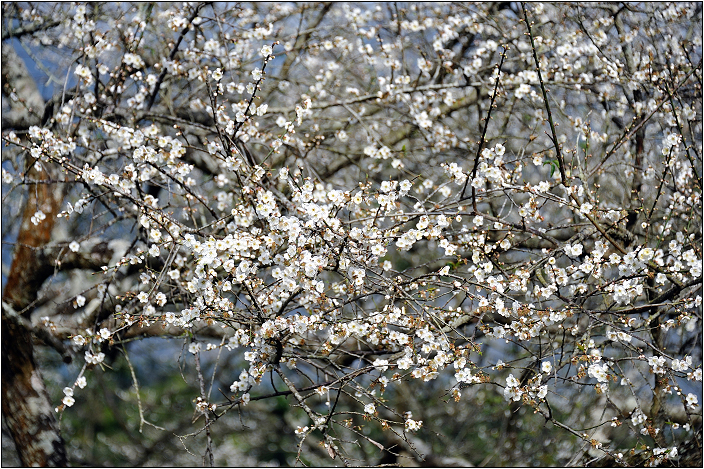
(94, 359)
(692, 400)
(573, 249)
(599, 371)
(413, 425)
(68, 399)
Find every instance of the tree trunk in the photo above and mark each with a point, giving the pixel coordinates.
(26, 407)
(25, 403)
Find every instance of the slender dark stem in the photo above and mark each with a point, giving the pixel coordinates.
(662, 183)
(160, 80)
(697, 178)
(560, 160)
(208, 457)
(483, 139)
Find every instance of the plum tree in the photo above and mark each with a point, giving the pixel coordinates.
(362, 219)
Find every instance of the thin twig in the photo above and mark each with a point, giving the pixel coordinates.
(160, 80)
(560, 159)
(136, 388)
(209, 441)
(483, 138)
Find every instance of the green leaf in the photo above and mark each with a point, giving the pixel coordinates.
(554, 164)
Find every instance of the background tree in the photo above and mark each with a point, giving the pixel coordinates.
(327, 233)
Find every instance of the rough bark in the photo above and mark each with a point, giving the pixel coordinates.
(26, 407)
(25, 403)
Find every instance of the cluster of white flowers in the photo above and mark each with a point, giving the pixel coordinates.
(68, 399)
(599, 371)
(306, 215)
(512, 390)
(412, 425)
(94, 359)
